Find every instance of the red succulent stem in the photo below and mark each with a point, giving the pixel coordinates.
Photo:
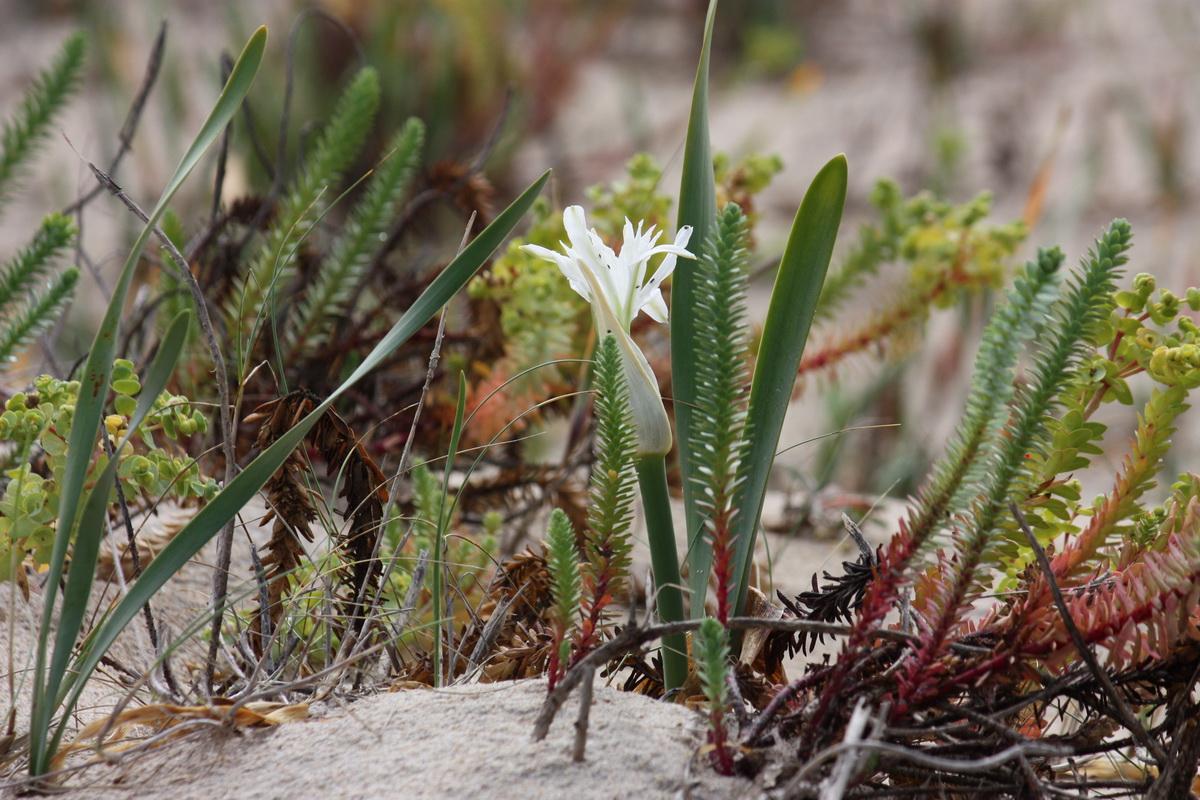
(722, 555)
(721, 756)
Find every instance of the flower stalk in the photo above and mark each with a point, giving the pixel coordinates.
(664, 559)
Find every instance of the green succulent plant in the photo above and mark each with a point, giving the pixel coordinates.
(37, 423)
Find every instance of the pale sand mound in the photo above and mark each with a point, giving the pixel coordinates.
(472, 741)
(468, 741)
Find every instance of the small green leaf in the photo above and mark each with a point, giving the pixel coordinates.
(1120, 391)
(127, 386)
(124, 404)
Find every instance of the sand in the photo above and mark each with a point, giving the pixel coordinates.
(462, 741)
(471, 741)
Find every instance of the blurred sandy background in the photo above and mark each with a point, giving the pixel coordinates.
(958, 96)
(961, 97)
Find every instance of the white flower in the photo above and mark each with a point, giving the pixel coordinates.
(616, 286)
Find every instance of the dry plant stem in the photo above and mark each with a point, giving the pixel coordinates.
(630, 638)
(83, 258)
(633, 636)
(220, 588)
(135, 557)
(394, 486)
(107, 758)
(125, 143)
(300, 683)
(132, 119)
(786, 694)
(435, 355)
(585, 709)
(223, 150)
(430, 372)
(951, 765)
(491, 631)
(1124, 712)
(850, 763)
(119, 708)
(1176, 779)
(781, 698)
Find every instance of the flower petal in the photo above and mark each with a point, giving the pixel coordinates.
(653, 304)
(646, 407)
(645, 403)
(593, 255)
(567, 264)
(649, 298)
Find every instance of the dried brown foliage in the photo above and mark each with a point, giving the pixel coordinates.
(119, 733)
(291, 511)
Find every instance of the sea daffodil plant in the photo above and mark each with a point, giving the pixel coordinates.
(615, 285)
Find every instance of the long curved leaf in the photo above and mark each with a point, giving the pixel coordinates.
(698, 208)
(89, 406)
(789, 316)
(242, 488)
(94, 517)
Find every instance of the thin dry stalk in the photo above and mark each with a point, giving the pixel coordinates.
(1124, 712)
(228, 435)
(585, 709)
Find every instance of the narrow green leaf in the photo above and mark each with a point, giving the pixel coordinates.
(789, 316)
(698, 208)
(664, 560)
(242, 488)
(94, 518)
(439, 543)
(452, 278)
(89, 407)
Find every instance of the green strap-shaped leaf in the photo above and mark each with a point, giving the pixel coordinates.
(439, 544)
(698, 208)
(242, 488)
(789, 316)
(89, 407)
(94, 517)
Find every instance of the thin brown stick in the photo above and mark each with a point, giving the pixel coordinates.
(1124, 712)
(132, 118)
(223, 149)
(634, 636)
(585, 710)
(781, 698)
(220, 588)
(136, 558)
(951, 765)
